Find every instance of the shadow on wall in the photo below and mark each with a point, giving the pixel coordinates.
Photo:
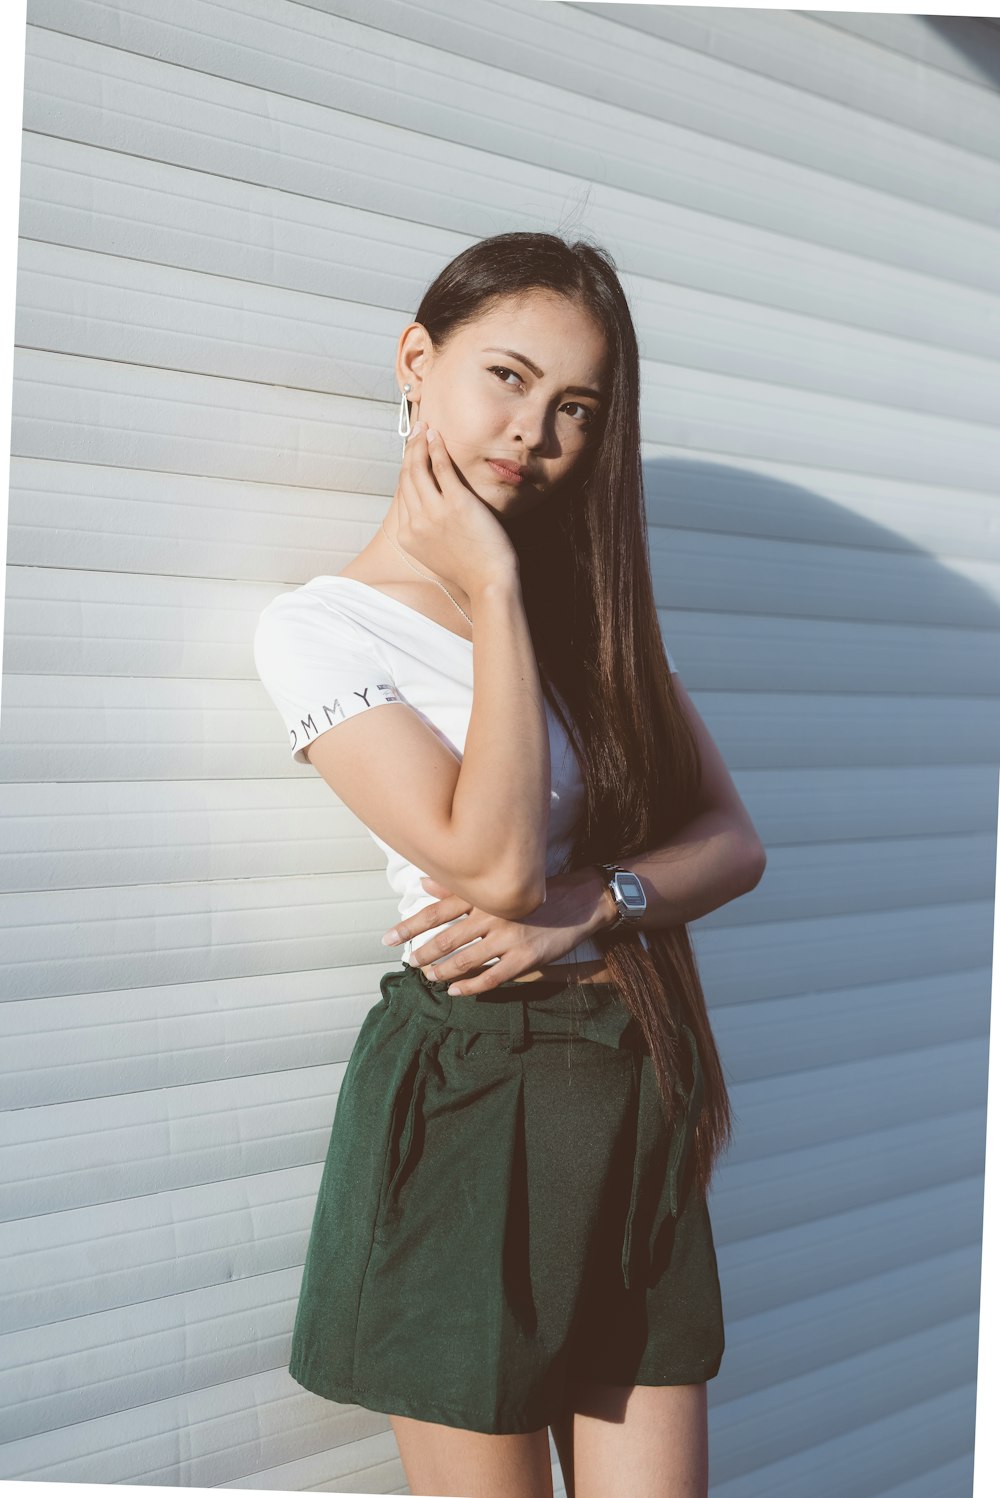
(979, 46)
(851, 678)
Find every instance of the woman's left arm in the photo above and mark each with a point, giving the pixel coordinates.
(715, 857)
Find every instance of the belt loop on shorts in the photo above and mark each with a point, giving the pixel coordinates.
(516, 1016)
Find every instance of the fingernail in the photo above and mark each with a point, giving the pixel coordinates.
(429, 971)
(415, 428)
(390, 938)
(454, 989)
(431, 434)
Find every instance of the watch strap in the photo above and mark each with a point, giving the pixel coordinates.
(608, 870)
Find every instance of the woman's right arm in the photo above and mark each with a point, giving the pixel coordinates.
(478, 824)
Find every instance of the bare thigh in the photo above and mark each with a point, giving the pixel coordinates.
(452, 1463)
(642, 1440)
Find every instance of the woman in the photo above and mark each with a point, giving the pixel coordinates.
(511, 1231)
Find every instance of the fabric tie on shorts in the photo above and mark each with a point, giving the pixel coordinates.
(659, 1155)
(592, 1012)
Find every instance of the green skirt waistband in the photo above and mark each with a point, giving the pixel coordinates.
(593, 1011)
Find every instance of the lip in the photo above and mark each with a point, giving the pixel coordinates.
(508, 471)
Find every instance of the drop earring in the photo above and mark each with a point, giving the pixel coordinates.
(403, 425)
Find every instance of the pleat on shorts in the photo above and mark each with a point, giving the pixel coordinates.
(503, 1212)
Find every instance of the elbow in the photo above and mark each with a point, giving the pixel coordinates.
(756, 864)
(513, 902)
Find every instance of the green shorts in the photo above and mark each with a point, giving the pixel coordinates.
(503, 1212)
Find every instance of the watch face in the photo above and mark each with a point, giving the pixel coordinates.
(631, 891)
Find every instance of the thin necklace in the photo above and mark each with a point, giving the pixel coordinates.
(423, 574)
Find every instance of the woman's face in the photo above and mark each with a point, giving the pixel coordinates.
(521, 385)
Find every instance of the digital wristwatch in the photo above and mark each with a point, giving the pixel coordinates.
(627, 892)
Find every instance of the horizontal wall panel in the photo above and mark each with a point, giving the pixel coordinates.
(740, 417)
(107, 412)
(743, 575)
(74, 1155)
(794, 806)
(112, 519)
(180, 933)
(828, 1252)
(230, 1426)
(261, 925)
(228, 1331)
(200, 1236)
(822, 1180)
(100, 1044)
(549, 121)
(159, 831)
(93, 833)
(197, 728)
(834, 1103)
(843, 625)
(164, 921)
(796, 502)
(235, 1331)
(170, 1138)
(859, 59)
(743, 963)
(105, 200)
(133, 1039)
(823, 1330)
(115, 519)
(765, 1037)
(81, 410)
(80, 1260)
(104, 306)
(371, 1460)
(183, 1136)
(99, 198)
(944, 45)
(860, 1457)
(235, 130)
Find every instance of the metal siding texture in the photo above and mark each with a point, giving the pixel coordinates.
(228, 212)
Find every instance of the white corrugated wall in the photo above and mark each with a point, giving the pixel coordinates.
(229, 210)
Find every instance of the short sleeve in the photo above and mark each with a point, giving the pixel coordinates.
(317, 666)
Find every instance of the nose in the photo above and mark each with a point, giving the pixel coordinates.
(529, 429)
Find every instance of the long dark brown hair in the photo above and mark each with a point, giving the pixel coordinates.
(588, 598)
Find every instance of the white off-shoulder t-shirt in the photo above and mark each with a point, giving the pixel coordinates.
(336, 646)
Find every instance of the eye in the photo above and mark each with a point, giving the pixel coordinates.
(498, 369)
(501, 372)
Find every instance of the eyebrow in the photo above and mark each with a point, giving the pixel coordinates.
(570, 389)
